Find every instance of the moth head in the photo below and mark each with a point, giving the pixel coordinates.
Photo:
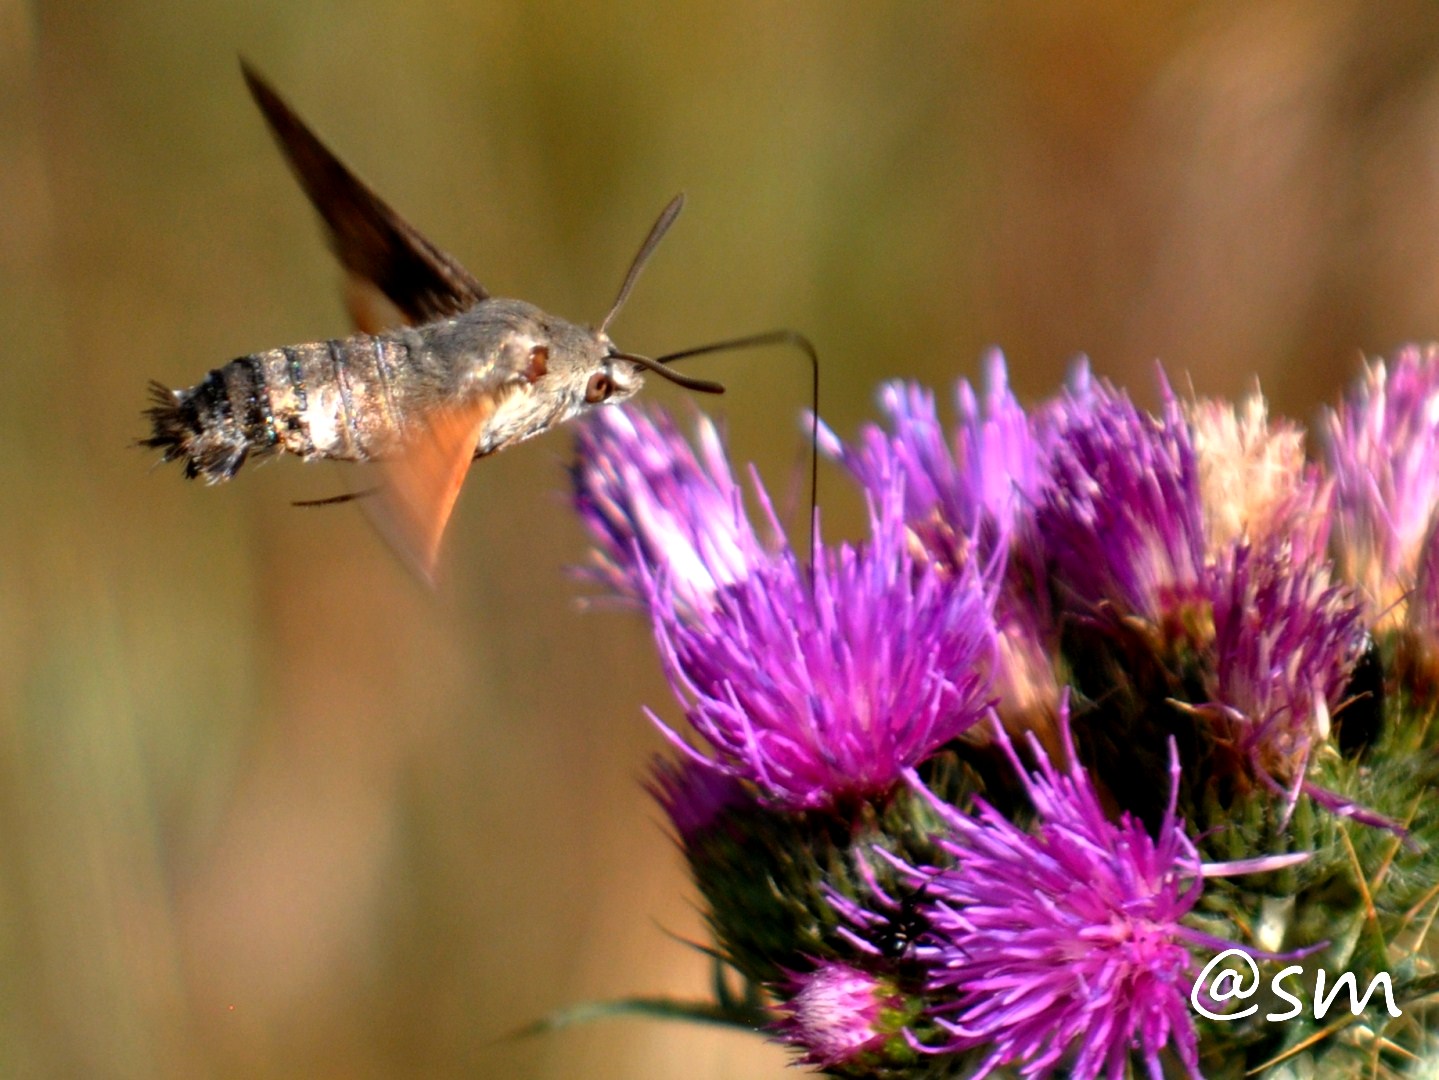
(539, 371)
(615, 379)
(577, 367)
(567, 367)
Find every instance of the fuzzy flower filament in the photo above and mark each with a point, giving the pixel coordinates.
(1120, 517)
(826, 683)
(650, 499)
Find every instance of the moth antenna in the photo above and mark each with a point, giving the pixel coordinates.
(755, 341)
(657, 233)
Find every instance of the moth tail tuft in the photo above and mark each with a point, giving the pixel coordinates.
(181, 433)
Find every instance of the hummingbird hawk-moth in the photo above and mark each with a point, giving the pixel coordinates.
(439, 374)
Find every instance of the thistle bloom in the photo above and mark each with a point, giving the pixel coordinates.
(1384, 454)
(650, 499)
(978, 483)
(1064, 944)
(825, 683)
(1286, 638)
(976, 923)
(1120, 516)
(836, 1013)
(975, 484)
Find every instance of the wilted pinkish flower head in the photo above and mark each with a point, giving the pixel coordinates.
(1254, 480)
(819, 684)
(651, 500)
(1384, 455)
(1026, 673)
(1064, 946)
(836, 1013)
(1120, 518)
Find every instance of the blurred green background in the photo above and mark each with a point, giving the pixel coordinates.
(269, 809)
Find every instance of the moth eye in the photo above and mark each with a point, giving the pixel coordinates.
(598, 388)
(539, 363)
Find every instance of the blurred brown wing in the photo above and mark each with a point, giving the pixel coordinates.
(381, 251)
(422, 481)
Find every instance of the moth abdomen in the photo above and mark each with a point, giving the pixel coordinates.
(326, 399)
(338, 399)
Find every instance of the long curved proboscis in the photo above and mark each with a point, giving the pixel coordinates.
(754, 341)
(689, 382)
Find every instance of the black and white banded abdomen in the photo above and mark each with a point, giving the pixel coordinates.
(336, 399)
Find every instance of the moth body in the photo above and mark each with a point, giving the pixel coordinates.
(361, 398)
(440, 373)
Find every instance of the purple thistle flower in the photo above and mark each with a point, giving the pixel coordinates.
(1120, 518)
(1062, 947)
(917, 448)
(968, 494)
(1286, 639)
(997, 447)
(649, 499)
(818, 685)
(836, 1013)
(1384, 455)
(1064, 944)
(976, 484)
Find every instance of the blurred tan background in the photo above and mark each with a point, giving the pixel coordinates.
(267, 809)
